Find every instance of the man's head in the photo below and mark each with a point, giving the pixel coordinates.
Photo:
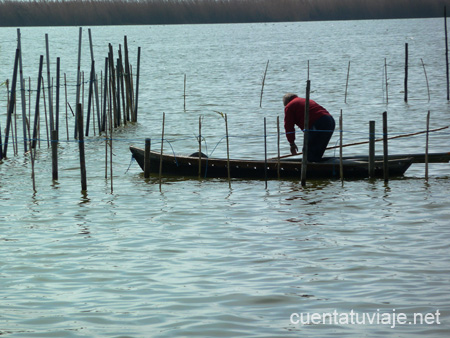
(288, 98)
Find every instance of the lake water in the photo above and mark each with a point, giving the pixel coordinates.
(196, 258)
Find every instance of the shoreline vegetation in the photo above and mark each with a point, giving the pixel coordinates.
(157, 12)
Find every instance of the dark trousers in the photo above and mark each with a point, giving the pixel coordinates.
(319, 136)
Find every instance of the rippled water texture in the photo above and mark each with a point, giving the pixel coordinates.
(196, 258)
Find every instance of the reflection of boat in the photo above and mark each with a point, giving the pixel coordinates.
(354, 167)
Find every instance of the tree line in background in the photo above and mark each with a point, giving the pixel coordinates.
(140, 12)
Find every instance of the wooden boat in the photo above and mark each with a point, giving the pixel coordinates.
(354, 167)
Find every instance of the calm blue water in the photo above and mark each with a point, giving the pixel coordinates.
(194, 258)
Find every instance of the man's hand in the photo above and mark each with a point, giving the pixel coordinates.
(294, 149)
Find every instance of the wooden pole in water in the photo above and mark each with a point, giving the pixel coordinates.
(406, 72)
(112, 95)
(199, 146)
(307, 78)
(346, 84)
(446, 53)
(128, 80)
(113, 84)
(45, 114)
(66, 104)
(120, 74)
(265, 153)
(97, 103)
(58, 66)
(22, 94)
(12, 102)
(78, 77)
(426, 146)
(1, 144)
(147, 158)
(105, 95)
(119, 116)
(54, 155)
(50, 99)
(79, 114)
(91, 81)
(278, 146)
(228, 151)
(386, 80)
(162, 148)
(137, 84)
(341, 162)
(306, 135)
(106, 140)
(262, 87)
(184, 93)
(371, 149)
(385, 149)
(426, 79)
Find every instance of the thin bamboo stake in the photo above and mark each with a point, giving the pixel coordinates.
(147, 158)
(12, 101)
(137, 84)
(90, 91)
(78, 77)
(1, 143)
(54, 155)
(308, 72)
(95, 83)
(199, 146)
(265, 153)
(446, 53)
(105, 95)
(79, 114)
(106, 143)
(262, 86)
(111, 137)
(50, 99)
(117, 94)
(45, 114)
(128, 80)
(184, 93)
(112, 83)
(58, 66)
(386, 80)
(16, 149)
(120, 71)
(228, 151)
(119, 117)
(67, 120)
(346, 84)
(305, 135)
(426, 146)
(162, 148)
(365, 142)
(406, 72)
(278, 146)
(341, 162)
(426, 79)
(385, 149)
(29, 112)
(371, 149)
(33, 174)
(22, 94)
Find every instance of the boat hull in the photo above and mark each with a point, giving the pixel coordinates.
(257, 169)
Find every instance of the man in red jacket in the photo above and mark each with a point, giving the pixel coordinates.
(321, 125)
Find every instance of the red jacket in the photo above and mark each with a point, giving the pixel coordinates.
(294, 114)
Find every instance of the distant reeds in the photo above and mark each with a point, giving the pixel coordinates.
(140, 12)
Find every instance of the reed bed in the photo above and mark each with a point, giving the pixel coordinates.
(139, 12)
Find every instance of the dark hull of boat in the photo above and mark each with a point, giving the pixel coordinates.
(256, 169)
